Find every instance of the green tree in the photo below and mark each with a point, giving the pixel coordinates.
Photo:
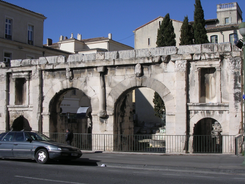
(200, 33)
(166, 35)
(186, 35)
(159, 106)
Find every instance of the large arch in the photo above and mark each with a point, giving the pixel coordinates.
(54, 93)
(61, 119)
(136, 82)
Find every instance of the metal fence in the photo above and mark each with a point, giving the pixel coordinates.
(150, 143)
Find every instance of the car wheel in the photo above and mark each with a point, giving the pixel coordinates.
(41, 156)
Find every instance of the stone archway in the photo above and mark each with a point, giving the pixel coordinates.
(207, 136)
(123, 110)
(21, 123)
(63, 111)
(64, 107)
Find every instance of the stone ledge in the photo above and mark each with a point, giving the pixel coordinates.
(147, 55)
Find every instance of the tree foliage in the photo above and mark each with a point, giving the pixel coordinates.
(159, 106)
(166, 35)
(200, 33)
(186, 35)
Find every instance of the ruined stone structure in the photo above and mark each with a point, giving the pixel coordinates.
(199, 84)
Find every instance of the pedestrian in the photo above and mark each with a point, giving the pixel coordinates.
(69, 136)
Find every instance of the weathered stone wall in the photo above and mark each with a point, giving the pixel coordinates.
(104, 77)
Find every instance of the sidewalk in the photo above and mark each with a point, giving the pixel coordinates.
(191, 162)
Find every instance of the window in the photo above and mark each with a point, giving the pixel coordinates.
(149, 41)
(214, 39)
(19, 136)
(20, 91)
(7, 57)
(233, 38)
(30, 34)
(208, 85)
(8, 28)
(227, 20)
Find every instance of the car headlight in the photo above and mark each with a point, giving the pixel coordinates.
(63, 149)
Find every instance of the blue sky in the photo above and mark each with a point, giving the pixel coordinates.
(97, 18)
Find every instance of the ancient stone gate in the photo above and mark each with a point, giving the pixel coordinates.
(196, 82)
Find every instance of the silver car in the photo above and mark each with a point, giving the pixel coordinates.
(36, 146)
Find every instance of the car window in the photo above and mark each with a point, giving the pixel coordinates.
(1, 135)
(9, 137)
(19, 136)
(37, 136)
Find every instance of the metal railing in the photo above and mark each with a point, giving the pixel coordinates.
(150, 143)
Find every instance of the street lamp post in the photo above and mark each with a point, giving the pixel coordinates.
(241, 45)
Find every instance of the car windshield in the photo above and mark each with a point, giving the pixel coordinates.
(37, 136)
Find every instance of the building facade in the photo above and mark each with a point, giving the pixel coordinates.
(145, 36)
(199, 84)
(224, 28)
(21, 34)
(87, 46)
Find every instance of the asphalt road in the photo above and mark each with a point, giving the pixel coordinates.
(121, 169)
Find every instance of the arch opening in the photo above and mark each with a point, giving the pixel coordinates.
(21, 123)
(136, 127)
(207, 136)
(71, 109)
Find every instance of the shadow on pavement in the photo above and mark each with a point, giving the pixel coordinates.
(80, 161)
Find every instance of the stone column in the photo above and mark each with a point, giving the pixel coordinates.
(102, 100)
(218, 84)
(178, 130)
(197, 88)
(235, 96)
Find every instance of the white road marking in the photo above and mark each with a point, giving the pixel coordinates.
(43, 179)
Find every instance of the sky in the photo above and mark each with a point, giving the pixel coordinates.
(98, 18)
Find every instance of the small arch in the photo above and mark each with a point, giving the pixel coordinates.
(207, 136)
(21, 123)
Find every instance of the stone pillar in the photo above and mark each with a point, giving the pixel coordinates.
(181, 98)
(235, 96)
(45, 120)
(218, 84)
(176, 140)
(197, 88)
(102, 100)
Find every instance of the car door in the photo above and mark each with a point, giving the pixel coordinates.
(21, 147)
(6, 145)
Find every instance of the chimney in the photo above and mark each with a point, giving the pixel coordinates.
(79, 37)
(61, 38)
(49, 42)
(110, 36)
(72, 35)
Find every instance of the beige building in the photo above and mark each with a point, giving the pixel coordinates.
(146, 36)
(225, 27)
(87, 46)
(21, 34)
